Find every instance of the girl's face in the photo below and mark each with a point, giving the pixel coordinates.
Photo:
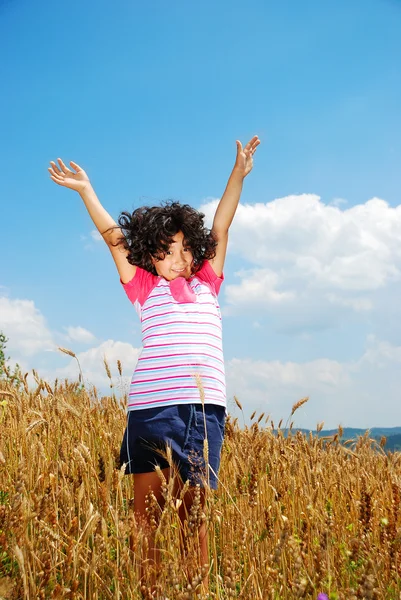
(177, 261)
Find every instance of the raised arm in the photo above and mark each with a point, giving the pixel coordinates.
(79, 181)
(229, 201)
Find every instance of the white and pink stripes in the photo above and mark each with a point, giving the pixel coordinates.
(180, 341)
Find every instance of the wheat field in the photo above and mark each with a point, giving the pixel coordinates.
(294, 516)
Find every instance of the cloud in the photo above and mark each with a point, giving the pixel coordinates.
(274, 386)
(339, 202)
(96, 236)
(32, 345)
(380, 353)
(258, 287)
(361, 393)
(313, 260)
(24, 326)
(79, 334)
(357, 304)
(92, 364)
(26, 329)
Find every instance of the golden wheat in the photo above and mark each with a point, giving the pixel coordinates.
(294, 516)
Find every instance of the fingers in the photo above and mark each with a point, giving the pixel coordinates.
(55, 171)
(57, 179)
(63, 167)
(55, 168)
(55, 175)
(59, 172)
(255, 143)
(251, 146)
(76, 167)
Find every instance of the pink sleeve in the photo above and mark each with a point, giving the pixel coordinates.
(207, 275)
(140, 285)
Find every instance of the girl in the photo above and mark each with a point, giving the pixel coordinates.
(171, 268)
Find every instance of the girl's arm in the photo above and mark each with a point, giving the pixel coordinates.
(107, 227)
(229, 201)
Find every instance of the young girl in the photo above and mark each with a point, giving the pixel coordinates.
(171, 268)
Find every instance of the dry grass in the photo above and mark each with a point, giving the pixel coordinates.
(293, 516)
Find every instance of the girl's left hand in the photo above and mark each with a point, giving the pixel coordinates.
(244, 160)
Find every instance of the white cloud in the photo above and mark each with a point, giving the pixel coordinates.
(380, 353)
(363, 393)
(24, 326)
(258, 287)
(270, 381)
(33, 346)
(80, 334)
(301, 253)
(357, 304)
(339, 202)
(92, 365)
(95, 235)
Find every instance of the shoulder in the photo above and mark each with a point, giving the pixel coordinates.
(140, 286)
(208, 276)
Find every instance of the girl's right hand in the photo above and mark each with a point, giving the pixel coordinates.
(61, 175)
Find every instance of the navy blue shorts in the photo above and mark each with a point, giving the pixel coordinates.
(181, 426)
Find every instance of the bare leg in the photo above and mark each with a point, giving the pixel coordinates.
(202, 532)
(204, 548)
(143, 482)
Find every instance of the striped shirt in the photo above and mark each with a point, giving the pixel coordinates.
(181, 338)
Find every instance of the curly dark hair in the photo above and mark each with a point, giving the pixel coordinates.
(149, 231)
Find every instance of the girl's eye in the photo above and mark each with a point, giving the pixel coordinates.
(169, 252)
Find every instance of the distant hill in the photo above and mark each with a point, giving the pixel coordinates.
(393, 443)
(352, 432)
(392, 435)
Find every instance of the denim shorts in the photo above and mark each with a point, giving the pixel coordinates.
(182, 427)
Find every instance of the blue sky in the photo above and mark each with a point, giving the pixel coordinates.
(149, 98)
